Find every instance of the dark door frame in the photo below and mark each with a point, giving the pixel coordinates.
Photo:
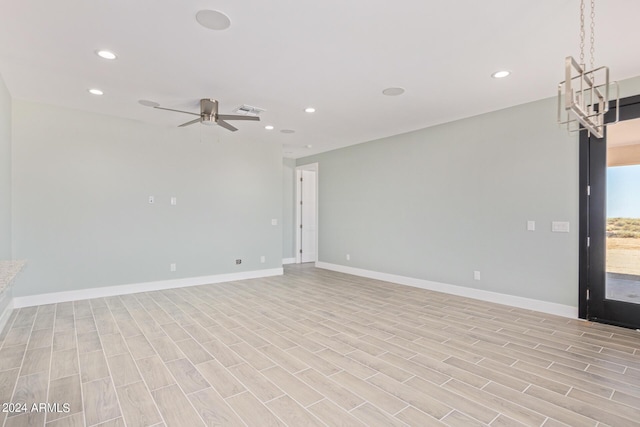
(592, 222)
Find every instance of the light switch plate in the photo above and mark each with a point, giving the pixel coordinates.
(274, 221)
(560, 226)
(531, 226)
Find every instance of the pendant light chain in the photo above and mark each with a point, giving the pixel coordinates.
(593, 29)
(582, 32)
(592, 38)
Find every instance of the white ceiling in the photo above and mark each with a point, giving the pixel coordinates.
(285, 55)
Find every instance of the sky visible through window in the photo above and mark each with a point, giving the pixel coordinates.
(623, 191)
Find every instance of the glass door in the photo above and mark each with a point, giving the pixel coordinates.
(610, 221)
(623, 212)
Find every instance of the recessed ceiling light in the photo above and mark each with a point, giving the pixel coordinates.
(500, 74)
(148, 103)
(309, 110)
(393, 91)
(106, 54)
(287, 131)
(96, 92)
(309, 146)
(213, 20)
(268, 127)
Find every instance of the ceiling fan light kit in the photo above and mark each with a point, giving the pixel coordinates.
(209, 115)
(584, 95)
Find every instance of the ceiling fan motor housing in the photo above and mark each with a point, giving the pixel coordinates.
(209, 111)
(208, 119)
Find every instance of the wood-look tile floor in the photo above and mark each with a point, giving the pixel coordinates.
(313, 347)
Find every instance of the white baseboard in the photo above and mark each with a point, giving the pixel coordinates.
(108, 291)
(286, 261)
(511, 300)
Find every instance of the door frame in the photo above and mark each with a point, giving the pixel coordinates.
(592, 303)
(315, 168)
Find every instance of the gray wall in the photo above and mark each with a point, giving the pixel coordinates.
(81, 211)
(5, 172)
(288, 208)
(439, 203)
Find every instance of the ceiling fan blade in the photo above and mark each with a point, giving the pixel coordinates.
(209, 107)
(236, 117)
(191, 122)
(177, 111)
(226, 125)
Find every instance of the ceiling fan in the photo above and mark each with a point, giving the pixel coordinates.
(209, 115)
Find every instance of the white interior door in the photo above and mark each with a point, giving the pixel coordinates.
(308, 216)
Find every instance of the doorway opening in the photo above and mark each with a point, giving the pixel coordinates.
(307, 213)
(623, 212)
(610, 220)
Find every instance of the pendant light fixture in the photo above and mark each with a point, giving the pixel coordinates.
(584, 95)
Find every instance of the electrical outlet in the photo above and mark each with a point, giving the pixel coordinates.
(152, 199)
(476, 275)
(238, 261)
(348, 257)
(263, 259)
(172, 267)
(174, 201)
